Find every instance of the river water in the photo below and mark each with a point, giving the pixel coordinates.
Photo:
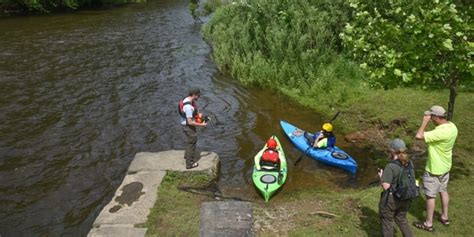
(82, 93)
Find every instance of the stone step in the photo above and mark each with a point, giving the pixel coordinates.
(229, 218)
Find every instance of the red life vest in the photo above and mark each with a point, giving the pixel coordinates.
(271, 155)
(182, 104)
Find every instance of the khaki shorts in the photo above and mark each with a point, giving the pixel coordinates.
(434, 184)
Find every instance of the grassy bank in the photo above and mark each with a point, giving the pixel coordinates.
(353, 213)
(176, 212)
(316, 212)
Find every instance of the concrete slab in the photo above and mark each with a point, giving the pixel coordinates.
(171, 160)
(228, 218)
(133, 199)
(138, 192)
(117, 231)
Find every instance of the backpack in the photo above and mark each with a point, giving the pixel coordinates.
(406, 185)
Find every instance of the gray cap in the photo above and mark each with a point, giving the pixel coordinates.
(436, 110)
(398, 144)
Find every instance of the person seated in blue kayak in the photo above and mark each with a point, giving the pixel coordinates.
(322, 139)
(270, 158)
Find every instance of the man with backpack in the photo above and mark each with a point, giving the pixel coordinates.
(188, 111)
(399, 188)
(440, 143)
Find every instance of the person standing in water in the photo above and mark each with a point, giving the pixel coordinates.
(188, 111)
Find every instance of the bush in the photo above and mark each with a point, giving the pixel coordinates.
(286, 44)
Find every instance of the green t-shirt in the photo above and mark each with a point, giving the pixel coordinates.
(390, 175)
(440, 148)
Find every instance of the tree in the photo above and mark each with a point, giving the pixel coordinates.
(423, 43)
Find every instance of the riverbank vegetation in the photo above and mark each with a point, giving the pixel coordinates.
(15, 7)
(318, 53)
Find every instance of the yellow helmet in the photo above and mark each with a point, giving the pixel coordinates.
(327, 127)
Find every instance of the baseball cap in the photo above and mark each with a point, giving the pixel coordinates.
(398, 144)
(436, 110)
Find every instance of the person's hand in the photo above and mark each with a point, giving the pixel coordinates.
(204, 124)
(426, 118)
(320, 134)
(380, 173)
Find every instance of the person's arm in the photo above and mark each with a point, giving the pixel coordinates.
(385, 186)
(193, 123)
(318, 138)
(189, 117)
(420, 134)
(383, 177)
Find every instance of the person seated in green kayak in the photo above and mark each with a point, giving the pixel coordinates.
(270, 158)
(322, 139)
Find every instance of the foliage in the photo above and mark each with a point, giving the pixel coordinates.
(46, 6)
(285, 44)
(423, 42)
(193, 6)
(211, 5)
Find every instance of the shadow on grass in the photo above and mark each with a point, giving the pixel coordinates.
(370, 222)
(417, 208)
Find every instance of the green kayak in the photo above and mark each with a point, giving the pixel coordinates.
(267, 178)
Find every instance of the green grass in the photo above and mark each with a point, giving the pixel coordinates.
(176, 212)
(356, 213)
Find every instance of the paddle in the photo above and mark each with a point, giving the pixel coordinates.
(306, 151)
(301, 156)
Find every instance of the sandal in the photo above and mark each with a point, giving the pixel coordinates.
(423, 226)
(444, 222)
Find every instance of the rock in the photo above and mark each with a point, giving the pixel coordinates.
(355, 137)
(228, 218)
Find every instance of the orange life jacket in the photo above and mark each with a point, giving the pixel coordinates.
(271, 155)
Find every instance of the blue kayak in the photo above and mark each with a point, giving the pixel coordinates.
(331, 156)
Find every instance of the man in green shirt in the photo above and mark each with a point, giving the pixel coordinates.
(440, 143)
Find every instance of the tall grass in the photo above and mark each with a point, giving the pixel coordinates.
(291, 45)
